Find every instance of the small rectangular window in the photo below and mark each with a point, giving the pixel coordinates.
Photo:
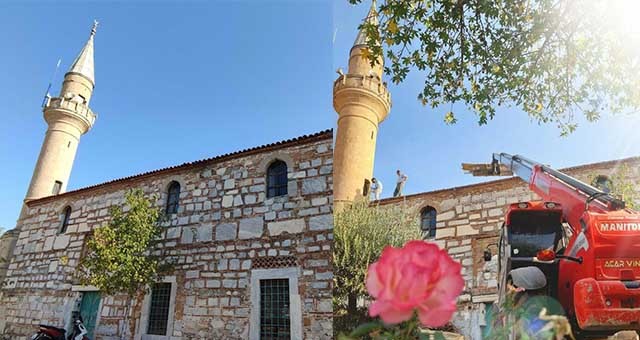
(159, 309)
(57, 186)
(275, 321)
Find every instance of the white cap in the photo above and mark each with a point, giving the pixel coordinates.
(529, 278)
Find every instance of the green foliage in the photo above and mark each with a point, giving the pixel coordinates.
(120, 254)
(361, 233)
(550, 58)
(512, 318)
(622, 185)
(408, 330)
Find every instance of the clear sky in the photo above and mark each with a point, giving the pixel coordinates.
(177, 81)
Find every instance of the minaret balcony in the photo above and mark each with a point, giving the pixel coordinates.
(372, 84)
(71, 108)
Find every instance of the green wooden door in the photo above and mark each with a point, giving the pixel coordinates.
(89, 311)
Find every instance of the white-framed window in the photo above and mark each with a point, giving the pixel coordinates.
(158, 309)
(276, 310)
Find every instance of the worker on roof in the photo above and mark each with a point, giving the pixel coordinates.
(402, 179)
(376, 188)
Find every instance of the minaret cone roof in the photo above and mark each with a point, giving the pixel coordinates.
(372, 18)
(84, 61)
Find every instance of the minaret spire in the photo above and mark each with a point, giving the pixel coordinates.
(362, 101)
(68, 117)
(371, 18)
(83, 64)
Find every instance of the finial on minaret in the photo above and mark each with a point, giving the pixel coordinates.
(83, 64)
(371, 18)
(95, 27)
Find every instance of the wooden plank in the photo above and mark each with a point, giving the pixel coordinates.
(484, 169)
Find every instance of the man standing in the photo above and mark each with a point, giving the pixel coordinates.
(402, 178)
(376, 188)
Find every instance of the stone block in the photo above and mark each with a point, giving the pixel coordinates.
(227, 201)
(319, 201)
(196, 234)
(173, 232)
(289, 226)
(53, 266)
(251, 228)
(250, 199)
(48, 243)
(237, 200)
(61, 242)
(234, 264)
(213, 284)
(322, 222)
(226, 231)
(229, 184)
(446, 215)
(459, 222)
(314, 185)
(445, 232)
(495, 212)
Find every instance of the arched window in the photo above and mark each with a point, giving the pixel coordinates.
(277, 179)
(603, 183)
(65, 219)
(173, 196)
(428, 221)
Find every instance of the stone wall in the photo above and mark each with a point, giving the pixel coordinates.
(469, 219)
(225, 228)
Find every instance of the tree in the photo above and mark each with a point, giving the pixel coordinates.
(360, 234)
(550, 58)
(620, 184)
(120, 257)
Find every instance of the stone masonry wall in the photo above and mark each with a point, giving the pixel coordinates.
(469, 219)
(224, 228)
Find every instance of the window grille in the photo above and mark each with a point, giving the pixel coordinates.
(275, 321)
(173, 197)
(277, 179)
(65, 220)
(159, 309)
(428, 222)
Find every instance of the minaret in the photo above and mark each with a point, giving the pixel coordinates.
(68, 117)
(362, 101)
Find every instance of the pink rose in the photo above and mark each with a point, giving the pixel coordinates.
(418, 276)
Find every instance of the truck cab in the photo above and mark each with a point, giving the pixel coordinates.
(531, 233)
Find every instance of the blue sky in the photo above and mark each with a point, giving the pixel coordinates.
(176, 82)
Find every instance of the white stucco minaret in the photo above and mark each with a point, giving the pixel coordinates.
(68, 117)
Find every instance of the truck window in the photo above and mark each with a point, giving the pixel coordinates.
(532, 230)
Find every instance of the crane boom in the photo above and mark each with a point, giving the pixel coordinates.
(598, 279)
(541, 178)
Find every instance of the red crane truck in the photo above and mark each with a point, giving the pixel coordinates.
(584, 240)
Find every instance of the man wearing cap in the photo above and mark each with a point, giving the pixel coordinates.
(528, 286)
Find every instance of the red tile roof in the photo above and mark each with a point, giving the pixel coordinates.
(326, 134)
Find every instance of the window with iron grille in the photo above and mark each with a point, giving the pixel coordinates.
(159, 309)
(277, 179)
(275, 321)
(65, 220)
(428, 222)
(173, 196)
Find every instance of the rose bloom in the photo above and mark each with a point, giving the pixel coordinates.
(418, 276)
